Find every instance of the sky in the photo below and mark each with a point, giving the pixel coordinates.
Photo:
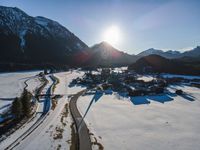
(143, 24)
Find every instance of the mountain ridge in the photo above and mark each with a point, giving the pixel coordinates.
(104, 54)
(38, 39)
(158, 64)
(171, 54)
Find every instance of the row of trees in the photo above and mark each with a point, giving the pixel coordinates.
(21, 106)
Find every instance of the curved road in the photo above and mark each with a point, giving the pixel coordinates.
(84, 142)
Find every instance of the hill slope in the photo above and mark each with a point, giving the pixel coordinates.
(26, 39)
(156, 63)
(103, 54)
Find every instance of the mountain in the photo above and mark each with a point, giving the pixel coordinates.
(159, 64)
(171, 54)
(192, 53)
(36, 40)
(103, 54)
(168, 54)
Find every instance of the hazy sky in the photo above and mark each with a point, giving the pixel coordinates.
(161, 24)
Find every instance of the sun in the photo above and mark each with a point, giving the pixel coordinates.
(112, 35)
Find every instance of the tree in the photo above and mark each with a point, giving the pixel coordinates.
(26, 103)
(45, 71)
(179, 92)
(17, 108)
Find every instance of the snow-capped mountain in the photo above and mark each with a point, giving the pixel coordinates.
(35, 39)
(168, 54)
(171, 54)
(192, 53)
(103, 54)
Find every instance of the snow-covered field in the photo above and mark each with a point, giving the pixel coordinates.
(55, 130)
(45, 136)
(12, 85)
(40, 107)
(145, 123)
(65, 79)
(33, 84)
(180, 76)
(164, 122)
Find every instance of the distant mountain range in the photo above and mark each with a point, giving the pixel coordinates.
(37, 42)
(158, 64)
(171, 54)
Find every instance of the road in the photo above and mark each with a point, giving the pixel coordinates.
(38, 133)
(84, 142)
(40, 115)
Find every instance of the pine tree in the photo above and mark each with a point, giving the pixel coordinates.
(17, 108)
(26, 103)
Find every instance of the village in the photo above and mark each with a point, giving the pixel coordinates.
(128, 82)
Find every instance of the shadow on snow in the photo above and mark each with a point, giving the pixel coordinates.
(95, 98)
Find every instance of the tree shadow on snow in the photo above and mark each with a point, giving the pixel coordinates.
(185, 95)
(161, 98)
(188, 97)
(71, 85)
(7, 99)
(95, 98)
(123, 94)
(139, 100)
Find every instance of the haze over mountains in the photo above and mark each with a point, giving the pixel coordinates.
(39, 41)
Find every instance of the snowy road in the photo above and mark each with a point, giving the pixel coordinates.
(83, 132)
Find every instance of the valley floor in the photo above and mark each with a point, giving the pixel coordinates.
(54, 131)
(115, 122)
(12, 85)
(164, 122)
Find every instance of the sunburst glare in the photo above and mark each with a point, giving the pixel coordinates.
(112, 35)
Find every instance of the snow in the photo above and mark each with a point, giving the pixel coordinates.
(41, 21)
(21, 36)
(164, 122)
(146, 78)
(66, 78)
(120, 69)
(180, 76)
(43, 136)
(12, 85)
(29, 124)
(33, 84)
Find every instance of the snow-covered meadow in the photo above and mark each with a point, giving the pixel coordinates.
(12, 85)
(179, 76)
(160, 122)
(117, 122)
(55, 130)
